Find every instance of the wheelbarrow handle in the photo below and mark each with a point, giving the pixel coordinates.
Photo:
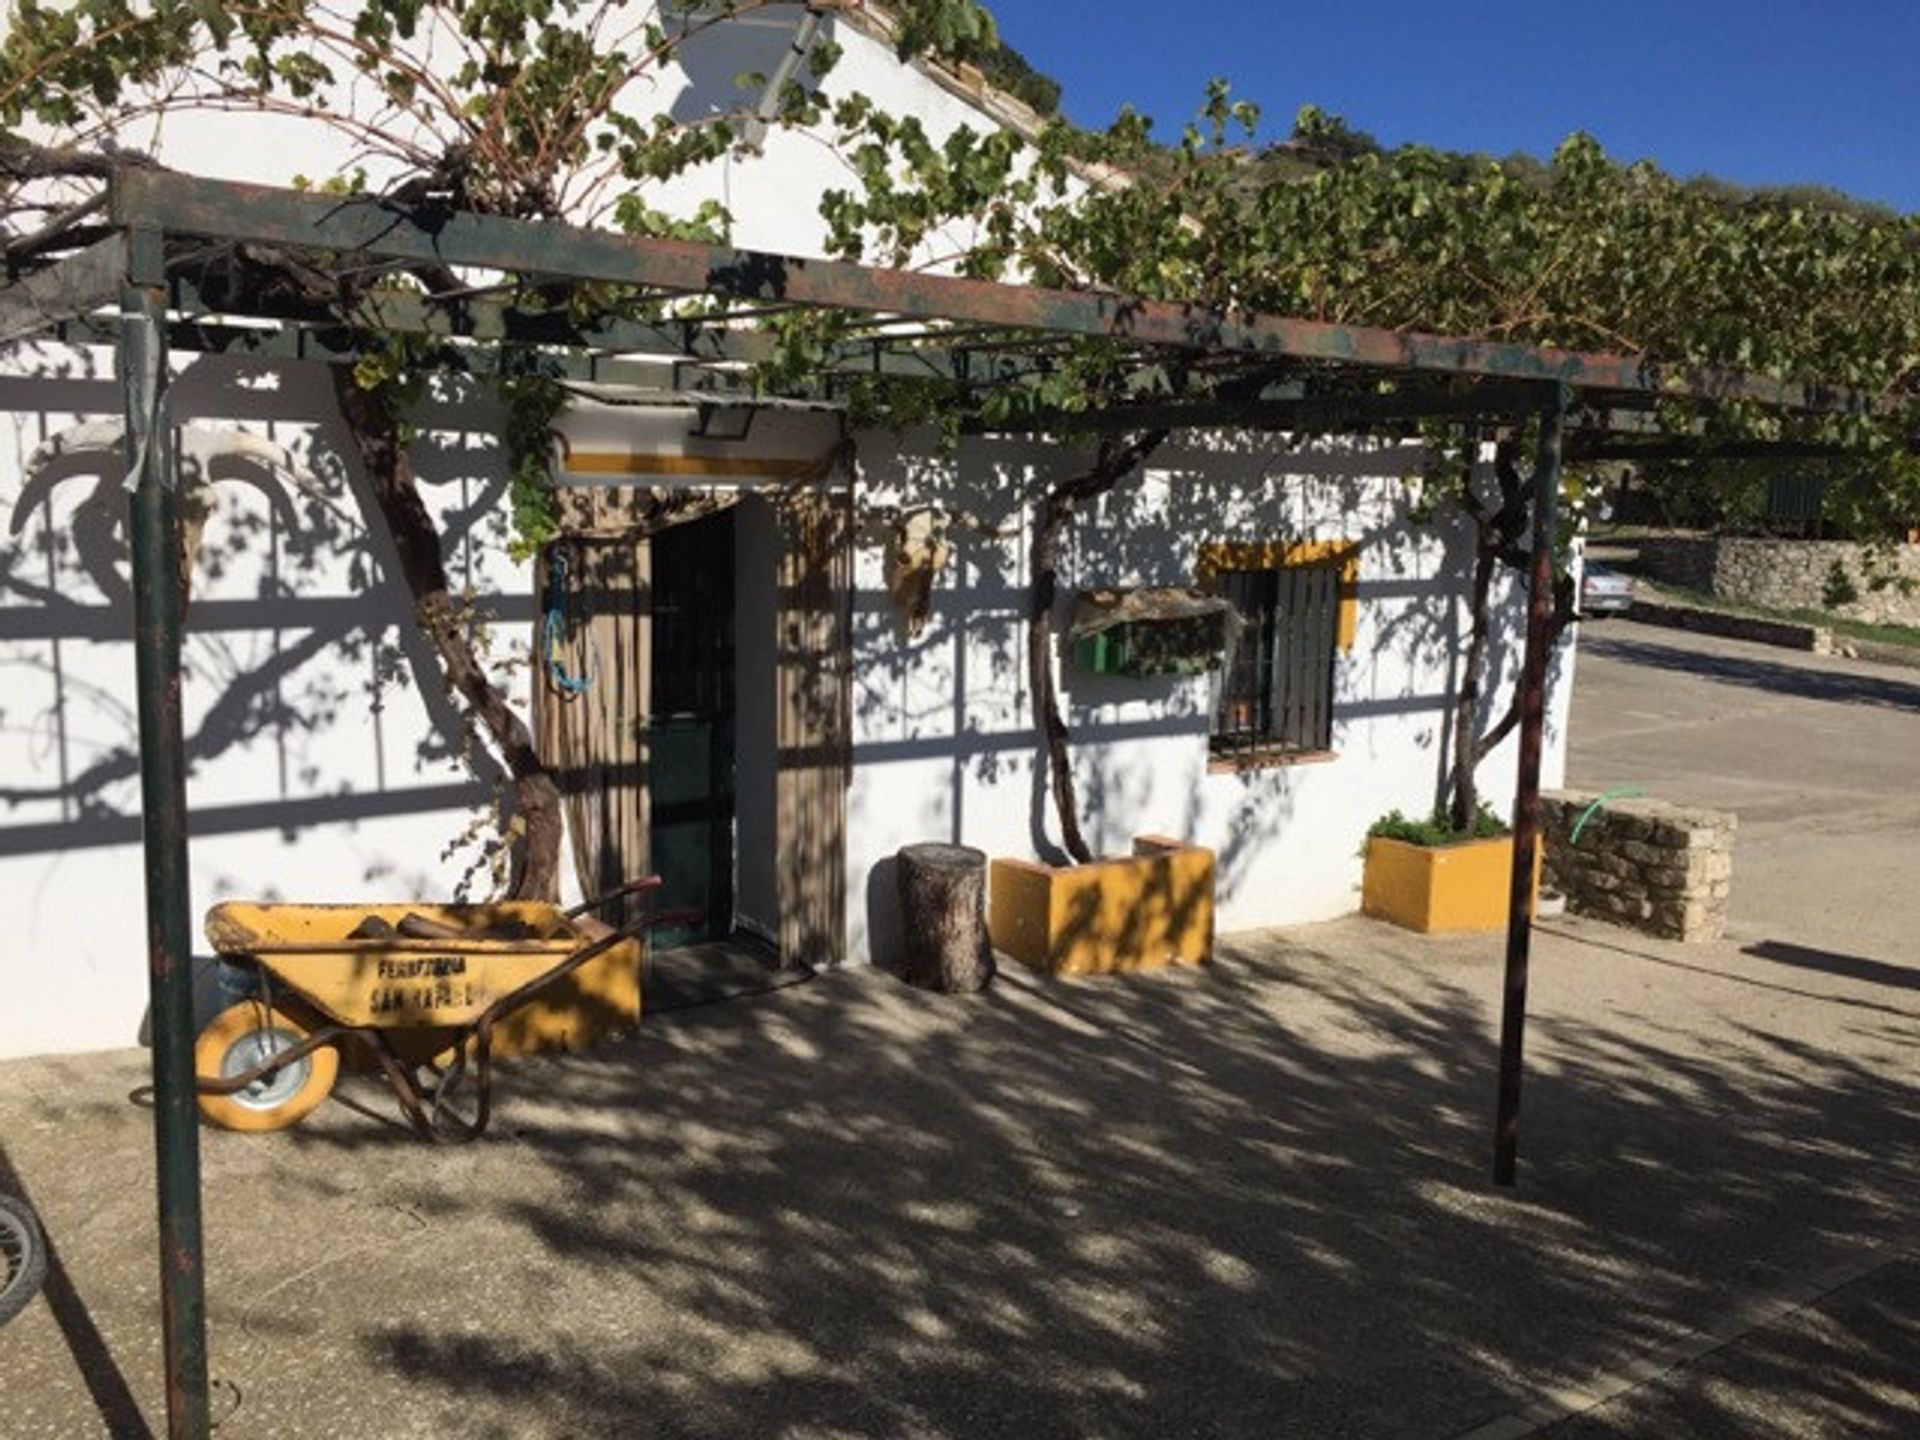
(482, 1030)
(632, 930)
(632, 887)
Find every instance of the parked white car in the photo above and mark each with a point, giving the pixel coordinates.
(1604, 591)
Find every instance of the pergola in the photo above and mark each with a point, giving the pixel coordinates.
(148, 283)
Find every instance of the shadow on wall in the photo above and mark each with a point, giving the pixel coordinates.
(312, 699)
(957, 693)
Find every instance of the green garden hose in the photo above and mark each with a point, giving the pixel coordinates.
(1587, 814)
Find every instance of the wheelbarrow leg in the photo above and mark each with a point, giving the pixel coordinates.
(483, 1071)
(398, 1081)
(427, 1111)
(446, 1127)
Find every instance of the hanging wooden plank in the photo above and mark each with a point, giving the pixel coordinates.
(813, 724)
(591, 694)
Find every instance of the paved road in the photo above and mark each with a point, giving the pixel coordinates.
(1819, 757)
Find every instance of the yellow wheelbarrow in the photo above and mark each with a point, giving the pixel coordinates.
(419, 988)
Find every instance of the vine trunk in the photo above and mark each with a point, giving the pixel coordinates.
(1113, 463)
(439, 614)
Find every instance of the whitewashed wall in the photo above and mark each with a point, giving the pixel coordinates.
(773, 193)
(945, 744)
(322, 768)
(312, 777)
(321, 764)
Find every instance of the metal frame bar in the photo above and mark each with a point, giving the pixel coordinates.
(1498, 400)
(478, 331)
(269, 215)
(154, 527)
(1611, 447)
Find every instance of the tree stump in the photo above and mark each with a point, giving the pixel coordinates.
(943, 918)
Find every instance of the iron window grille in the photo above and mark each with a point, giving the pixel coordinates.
(1275, 693)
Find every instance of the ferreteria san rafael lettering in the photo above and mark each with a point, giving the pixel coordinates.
(414, 967)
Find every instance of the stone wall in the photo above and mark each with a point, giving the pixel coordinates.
(1679, 560)
(1792, 574)
(1788, 634)
(1641, 863)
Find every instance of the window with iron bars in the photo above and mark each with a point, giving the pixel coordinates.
(1275, 693)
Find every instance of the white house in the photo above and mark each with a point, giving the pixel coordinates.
(327, 765)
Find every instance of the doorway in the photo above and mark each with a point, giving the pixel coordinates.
(691, 732)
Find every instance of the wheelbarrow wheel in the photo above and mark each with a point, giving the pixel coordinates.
(247, 1035)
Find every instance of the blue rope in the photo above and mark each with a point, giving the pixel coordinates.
(556, 630)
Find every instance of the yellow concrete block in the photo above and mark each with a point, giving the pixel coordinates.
(1442, 889)
(1152, 908)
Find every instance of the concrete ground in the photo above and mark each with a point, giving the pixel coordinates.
(1249, 1201)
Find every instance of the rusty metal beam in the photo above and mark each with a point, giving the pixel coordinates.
(1526, 797)
(77, 284)
(371, 227)
(480, 329)
(1496, 402)
(1606, 447)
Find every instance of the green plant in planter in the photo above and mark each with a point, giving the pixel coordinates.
(1435, 830)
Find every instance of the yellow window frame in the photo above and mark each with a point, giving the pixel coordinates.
(1219, 555)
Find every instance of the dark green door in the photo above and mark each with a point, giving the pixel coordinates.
(690, 769)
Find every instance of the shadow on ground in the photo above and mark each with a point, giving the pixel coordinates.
(1247, 1201)
(1844, 687)
(1829, 962)
(1163, 1206)
(111, 1398)
(1828, 1369)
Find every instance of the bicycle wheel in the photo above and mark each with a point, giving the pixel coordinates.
(23, 1257)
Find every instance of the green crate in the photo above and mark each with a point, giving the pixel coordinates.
(1192, 645)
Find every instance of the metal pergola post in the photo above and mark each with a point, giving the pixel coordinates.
(154, 528)
(1526, 797)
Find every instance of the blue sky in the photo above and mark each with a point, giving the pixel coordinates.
(1755, 91)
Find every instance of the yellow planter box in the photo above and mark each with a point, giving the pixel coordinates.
(1442, 889)
(1135, 912)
